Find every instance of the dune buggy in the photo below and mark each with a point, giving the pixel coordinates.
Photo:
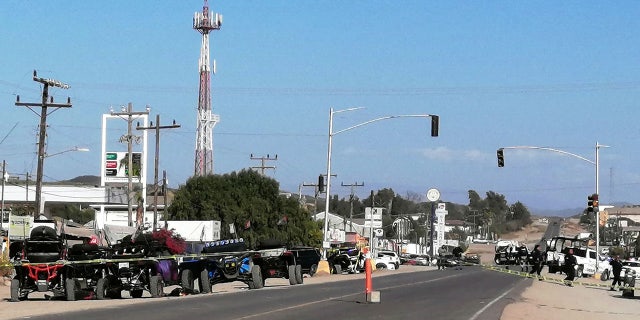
(40, 265)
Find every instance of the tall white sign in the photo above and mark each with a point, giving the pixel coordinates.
(439, 226)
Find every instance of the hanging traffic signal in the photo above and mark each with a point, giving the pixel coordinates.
(320, 183)
(592, 203)
(500, 158)
(435, 124)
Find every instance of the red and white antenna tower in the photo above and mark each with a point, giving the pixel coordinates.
(203, 22)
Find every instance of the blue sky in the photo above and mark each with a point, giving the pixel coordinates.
(560, 75)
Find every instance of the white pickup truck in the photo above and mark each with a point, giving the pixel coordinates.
(585, 257)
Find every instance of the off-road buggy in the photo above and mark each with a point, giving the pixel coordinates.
(276, 261)
(349, 260)
(84, 268)
(141, 262)
(219, 262)
(39, 265)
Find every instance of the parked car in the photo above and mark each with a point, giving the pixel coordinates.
(308, 258)
(418, 260)
(388, 260)
(346, 259)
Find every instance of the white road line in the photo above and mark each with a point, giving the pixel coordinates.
(477, 314)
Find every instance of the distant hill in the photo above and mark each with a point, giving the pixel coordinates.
(556, 213)
(90, 180)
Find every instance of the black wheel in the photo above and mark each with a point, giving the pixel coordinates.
(313, 270)
(292, 274)
(627, 293)
(15, 290)
(579, 273)
(497, 261)
(137, 293)
(204, 283)
(397, 266)
(337, 269)
(381, 266)
(256, 278)
(70, 289)
(108, 288)
(156, 286)
(187, 280)
(299, 278)
(605, 275)
(102, 289)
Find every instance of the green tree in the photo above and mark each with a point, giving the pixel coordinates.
(249, 201)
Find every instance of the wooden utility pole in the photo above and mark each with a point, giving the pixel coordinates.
(46, 103)
(129, 138)
(263, 165)
(157, 128)
(351, 195)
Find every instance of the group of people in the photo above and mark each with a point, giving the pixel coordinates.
(569, 267)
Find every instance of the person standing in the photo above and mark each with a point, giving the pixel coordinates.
(536, 260)
(442, 252)
(569, 267)
(616, 267)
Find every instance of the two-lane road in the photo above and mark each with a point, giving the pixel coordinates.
(471, 293)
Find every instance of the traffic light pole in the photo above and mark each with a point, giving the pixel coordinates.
(597, 182)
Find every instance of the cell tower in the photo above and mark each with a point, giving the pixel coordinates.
(206, 119)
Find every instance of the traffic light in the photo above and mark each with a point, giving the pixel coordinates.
(592, 203)
(435, 124)
(500, 158)
(320, 183)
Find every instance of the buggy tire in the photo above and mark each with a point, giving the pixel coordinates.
(313, 270)
(70, 289)
(136, 293)
(108, 288)
(292, 274)
(156, 286)
(256, 278)
(102, 289)
(187, 281)
(605, 275)
(337, 269)
(15, 290)
(299, 278)
(204, 282)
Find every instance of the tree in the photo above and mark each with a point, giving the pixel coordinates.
(251, 203)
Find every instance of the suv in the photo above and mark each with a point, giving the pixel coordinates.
(308, 258)
(388, 260)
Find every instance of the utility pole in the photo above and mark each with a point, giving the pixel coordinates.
(351, 196)
(43, 128)
(164, 194)
(4, 176)
(157, 128)
(128, 114)
(263, 165)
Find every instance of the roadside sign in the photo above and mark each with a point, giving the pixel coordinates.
(373, 224)
(372, 213)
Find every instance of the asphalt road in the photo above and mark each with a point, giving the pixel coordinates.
(471, 293)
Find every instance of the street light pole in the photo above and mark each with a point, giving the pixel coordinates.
(434, 133)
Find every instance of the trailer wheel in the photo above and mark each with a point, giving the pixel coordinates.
(70, 289)
(204, 283)
(137, 293)
(292, 274)
(187, 280)
(299, 278)
(102, 289)
(156, 286)
(15, 290)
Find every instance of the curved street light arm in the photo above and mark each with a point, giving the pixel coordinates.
(383, 118)
(551, 149)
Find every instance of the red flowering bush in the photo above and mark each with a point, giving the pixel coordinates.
(174, 242)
